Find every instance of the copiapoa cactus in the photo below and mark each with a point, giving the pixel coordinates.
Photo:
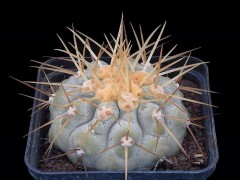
(122, 115)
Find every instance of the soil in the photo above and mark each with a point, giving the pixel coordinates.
(178, 162)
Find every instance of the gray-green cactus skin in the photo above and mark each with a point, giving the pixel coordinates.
(108, 132)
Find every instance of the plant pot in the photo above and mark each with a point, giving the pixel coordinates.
(33, 150)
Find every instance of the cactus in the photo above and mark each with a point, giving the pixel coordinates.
(122, 115)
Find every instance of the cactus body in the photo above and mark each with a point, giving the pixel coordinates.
(117, 111)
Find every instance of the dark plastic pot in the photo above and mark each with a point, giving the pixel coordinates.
(33, 149)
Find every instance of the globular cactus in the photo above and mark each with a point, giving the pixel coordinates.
(121, 115)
